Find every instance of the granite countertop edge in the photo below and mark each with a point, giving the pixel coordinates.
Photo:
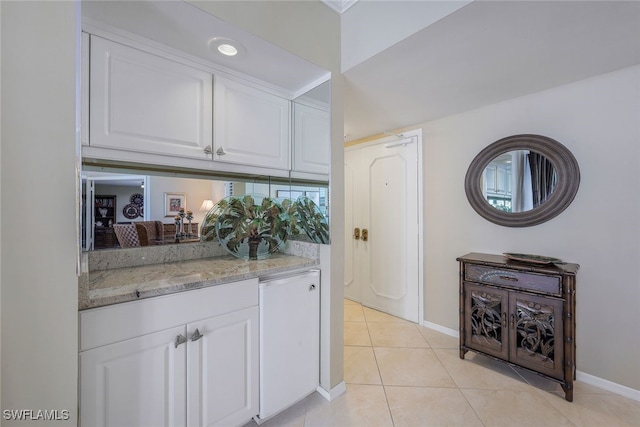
(108, 287)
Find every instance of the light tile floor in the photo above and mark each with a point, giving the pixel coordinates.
(401, 374)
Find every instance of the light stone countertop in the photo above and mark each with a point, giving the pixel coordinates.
(106, 287)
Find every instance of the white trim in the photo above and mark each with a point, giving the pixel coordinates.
(592, 380)
(447, 331)
(607, 385)
(334, 392)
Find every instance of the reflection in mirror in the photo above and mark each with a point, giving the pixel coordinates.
(150, 205)
(518, 181)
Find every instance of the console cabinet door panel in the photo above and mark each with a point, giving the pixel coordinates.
(136, 382)
(536, 336)
(485, 320)
(251, 127)
(223, 369)
(142, 102)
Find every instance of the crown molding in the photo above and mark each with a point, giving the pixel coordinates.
(339, 6)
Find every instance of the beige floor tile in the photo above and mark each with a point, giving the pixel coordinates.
(353, 313)
(411, 367)
(480, 372)
(378, 316)
(427, 406)
(360, 366)
(356, 333)
(360, 405)
(508, 408)
(396, 335)
(595, 410)
(437, 339)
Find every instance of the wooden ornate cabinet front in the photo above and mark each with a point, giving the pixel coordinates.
(520, 313)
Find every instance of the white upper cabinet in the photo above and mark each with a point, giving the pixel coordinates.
(311, 139)
(251, 127)
(145, 103)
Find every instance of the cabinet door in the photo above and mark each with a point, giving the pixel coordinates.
(311, 140)
(251, 127)
(485, 317)
(145, 103)
(137, 382)
(223, 369)
(536, 333)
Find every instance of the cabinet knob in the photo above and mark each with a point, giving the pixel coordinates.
(220, 151)
(196, 335)
(365, 234)
(208, 150)
(312, 287)
(180, 339)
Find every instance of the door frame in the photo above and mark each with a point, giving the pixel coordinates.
(393, 139)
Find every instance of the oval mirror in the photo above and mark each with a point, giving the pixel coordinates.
(522, 180)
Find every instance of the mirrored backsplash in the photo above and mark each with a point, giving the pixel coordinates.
(112, 198)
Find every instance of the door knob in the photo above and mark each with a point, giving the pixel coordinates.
(220, 151)
(356, 233)
(365, 234)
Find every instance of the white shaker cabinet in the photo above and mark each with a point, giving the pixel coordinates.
(189, 358)
(222, 369)
(145, 103)
(251, 127)
(311, 145)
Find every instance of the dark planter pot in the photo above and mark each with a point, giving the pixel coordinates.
(254, 242)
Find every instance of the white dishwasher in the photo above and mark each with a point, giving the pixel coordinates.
(289, 340)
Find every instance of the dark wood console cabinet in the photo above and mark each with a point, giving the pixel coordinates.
(523, 314)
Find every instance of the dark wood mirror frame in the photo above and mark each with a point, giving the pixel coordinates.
(563, 161)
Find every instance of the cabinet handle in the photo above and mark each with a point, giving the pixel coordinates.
(513, 321)
(312, 287)
(196, 335)
(504, 320)
(208, 150)
(220, 151)
(180, 339)
(513, 279)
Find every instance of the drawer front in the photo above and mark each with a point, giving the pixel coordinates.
(514, 279)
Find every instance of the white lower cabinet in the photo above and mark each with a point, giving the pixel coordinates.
(222, 382)
(201, 372)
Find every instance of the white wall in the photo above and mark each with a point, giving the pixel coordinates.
(39, 285)
(599, 121)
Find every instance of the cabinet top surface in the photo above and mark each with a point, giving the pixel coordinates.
(106, 287)
(502, 261)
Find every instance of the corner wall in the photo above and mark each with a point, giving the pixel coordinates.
(39, 294)
(598, 119)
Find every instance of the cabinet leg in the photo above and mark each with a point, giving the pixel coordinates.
(568, 392)
(462, 353)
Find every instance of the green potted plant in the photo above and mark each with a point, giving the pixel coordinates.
(248, 229)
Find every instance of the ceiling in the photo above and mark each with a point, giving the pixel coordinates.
(487, 52)
(187, 30)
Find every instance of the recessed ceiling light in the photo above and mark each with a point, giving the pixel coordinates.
(225, 46)
(227, 49)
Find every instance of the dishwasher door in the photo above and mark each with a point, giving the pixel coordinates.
(289, 340)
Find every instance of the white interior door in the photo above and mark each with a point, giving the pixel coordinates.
(382, 191)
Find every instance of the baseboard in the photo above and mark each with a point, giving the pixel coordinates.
(608, 385)
(580, 376)
(334, 392)
(442, 329)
